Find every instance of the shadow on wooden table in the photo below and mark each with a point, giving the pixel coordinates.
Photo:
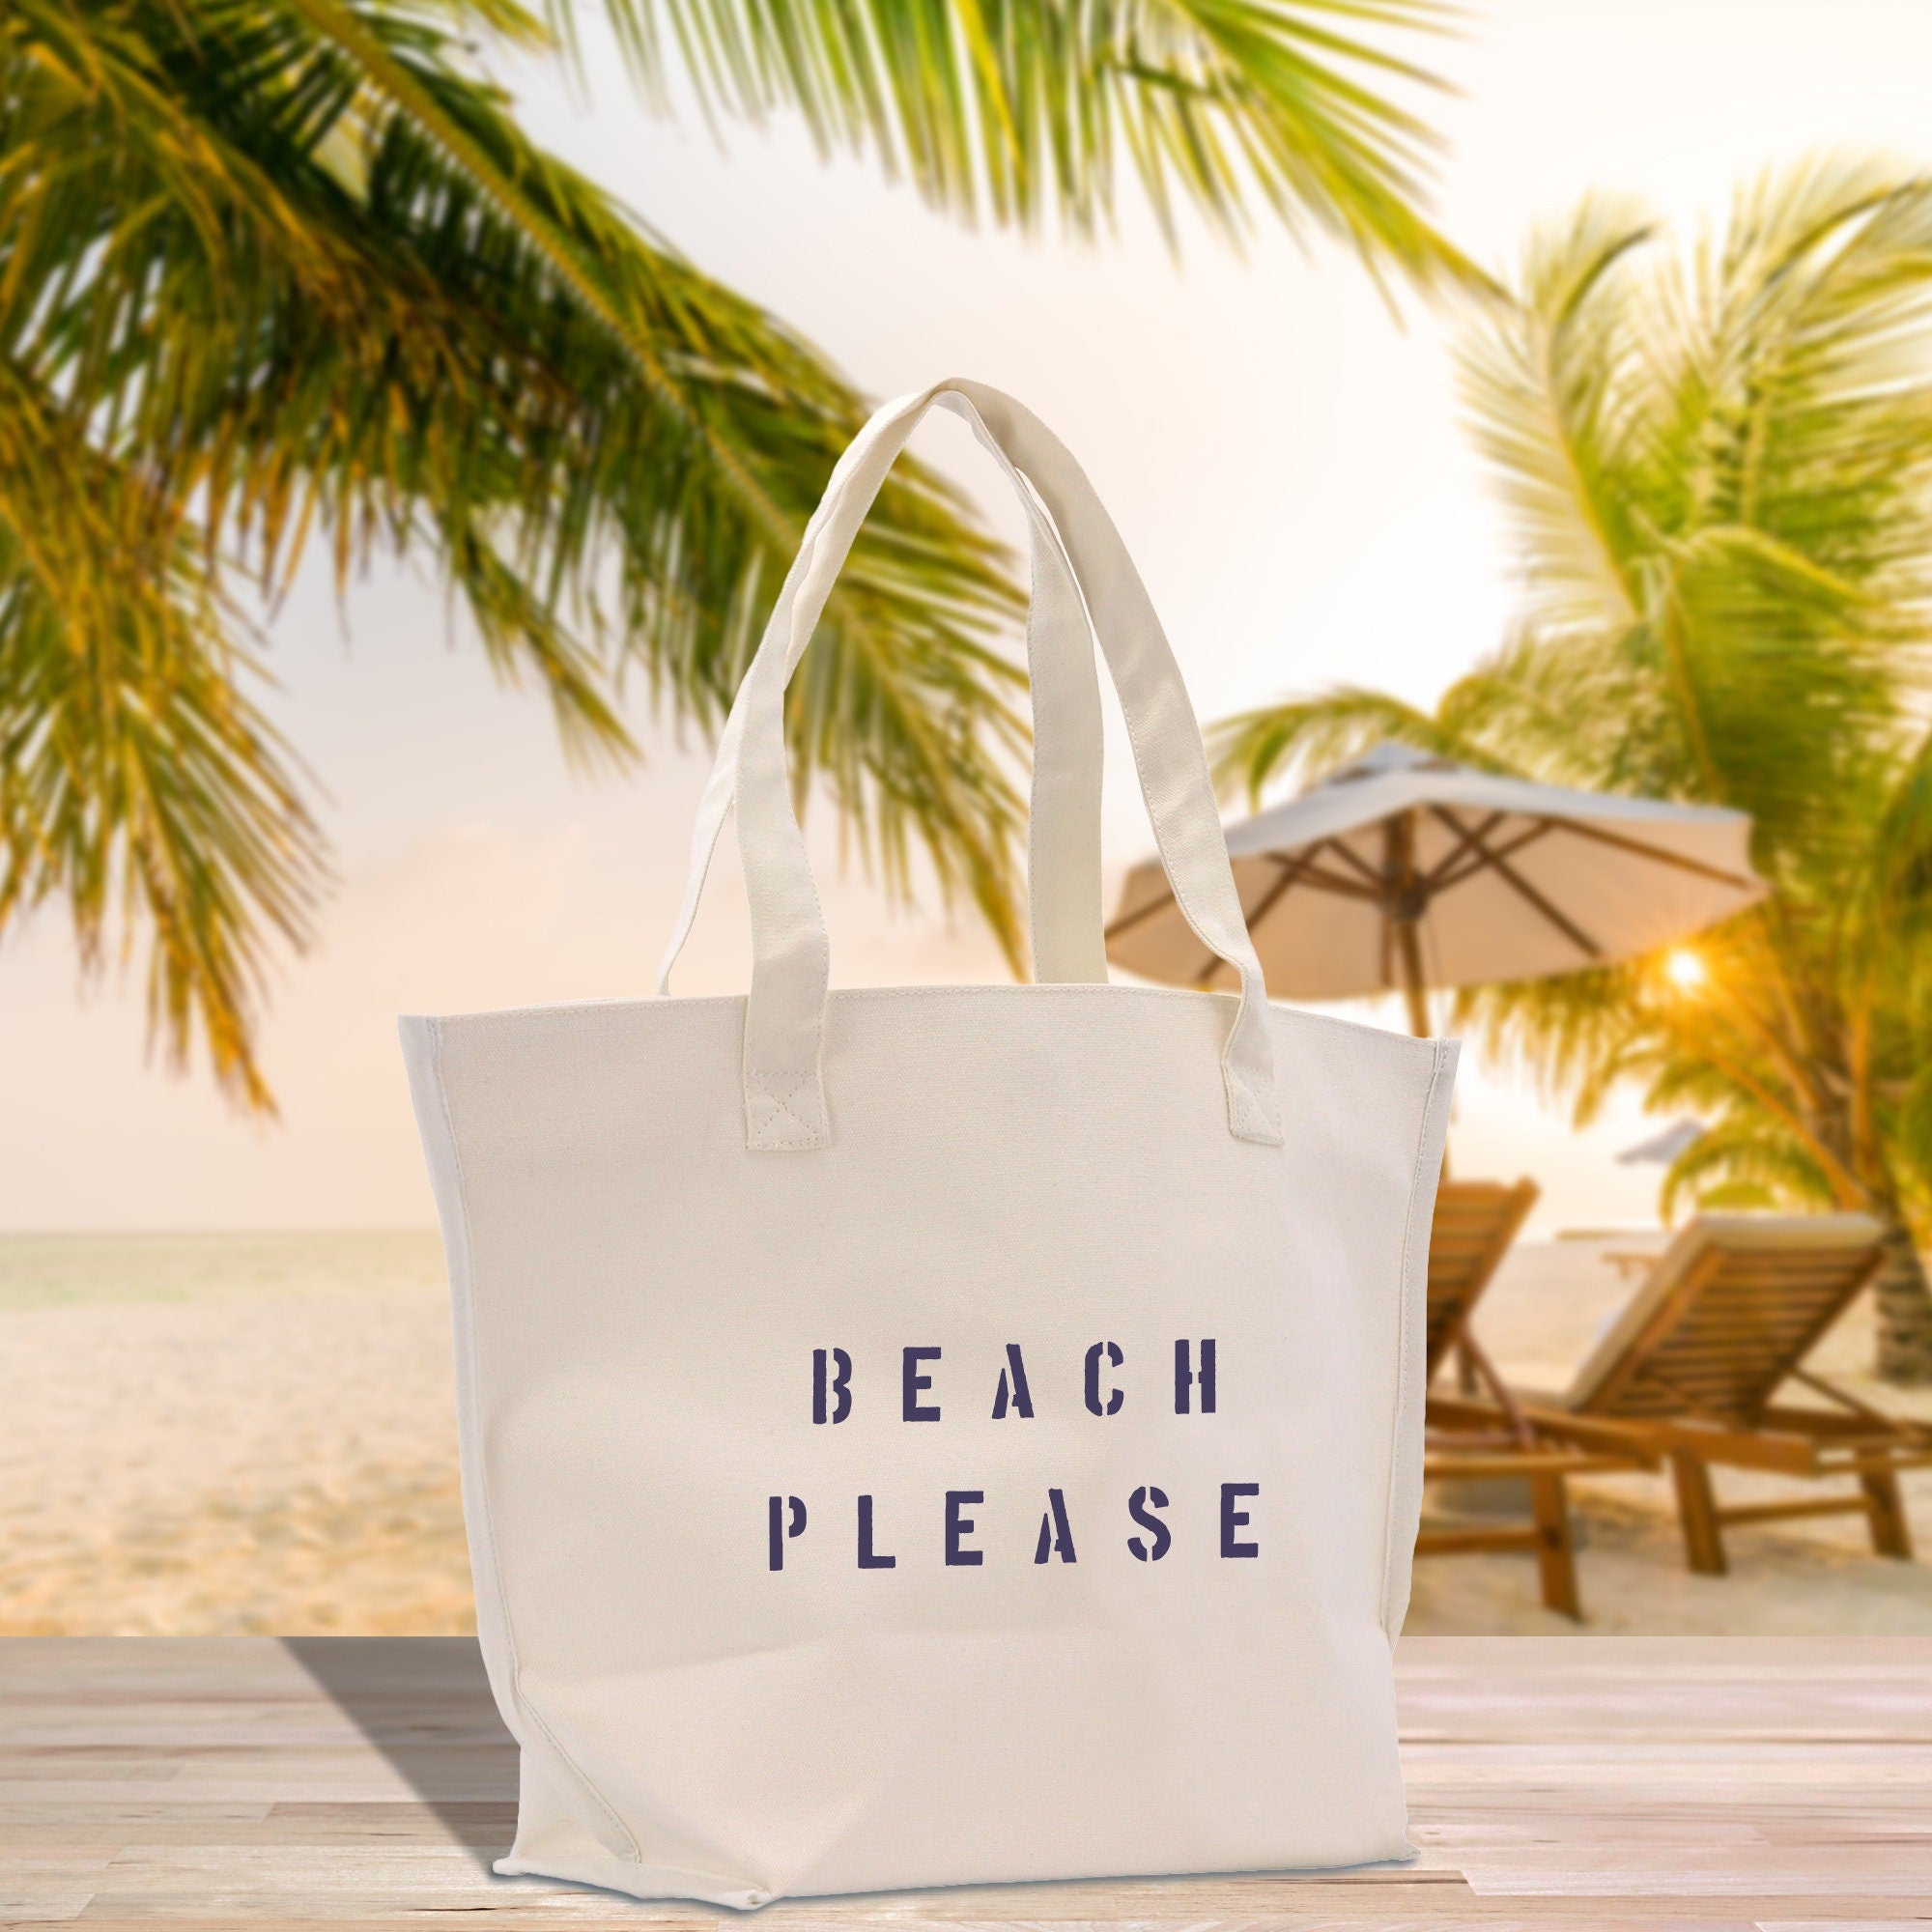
(424, 1703)
(1558, 1784)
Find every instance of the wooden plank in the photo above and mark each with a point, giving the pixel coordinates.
(1732, 1328)
(1705, 1785)
(1475, 1222)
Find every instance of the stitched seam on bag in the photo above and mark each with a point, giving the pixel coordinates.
(753, 1888)
(523, 1701)
(783, 1102)
(807, 1135)
(577, 1771)
(1406, 1333)
(474, 1351)
(669, 1005)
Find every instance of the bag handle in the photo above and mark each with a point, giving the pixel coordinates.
(784, 1014)
(1065, 916)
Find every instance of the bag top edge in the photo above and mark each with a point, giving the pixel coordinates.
(672, 1003)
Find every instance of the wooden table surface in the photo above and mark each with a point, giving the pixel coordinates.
(1615, 1782)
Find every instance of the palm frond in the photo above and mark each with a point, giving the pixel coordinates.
(1741, 1164)
(1021, 109)
(1718, 462)
(1718, 471)
(295, 267)
(1306, 737)
(1551, 390)
(1901, 869)
(136, 775)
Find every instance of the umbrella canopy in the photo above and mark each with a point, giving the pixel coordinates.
(1665, 1147)
(1405, 871)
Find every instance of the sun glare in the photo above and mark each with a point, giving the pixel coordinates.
(1684, 970)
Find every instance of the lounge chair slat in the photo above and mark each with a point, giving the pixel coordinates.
(1729, 1310)
(1728, 1315)
(1475, 1223)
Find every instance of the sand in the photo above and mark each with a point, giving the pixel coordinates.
(255, 1435)
(264, 1443)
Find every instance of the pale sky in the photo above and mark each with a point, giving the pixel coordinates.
(1283, 460)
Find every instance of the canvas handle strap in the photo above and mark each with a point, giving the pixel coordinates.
(1063, 906)
(785, 1017)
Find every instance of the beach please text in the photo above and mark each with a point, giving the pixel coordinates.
(1144, 1523)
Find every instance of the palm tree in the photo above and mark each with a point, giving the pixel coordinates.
(1718, 466)
(276, 269)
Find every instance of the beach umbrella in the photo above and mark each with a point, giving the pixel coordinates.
(1403, 872)
(1660, 1150)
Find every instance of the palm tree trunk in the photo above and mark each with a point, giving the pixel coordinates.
(1904, 1311)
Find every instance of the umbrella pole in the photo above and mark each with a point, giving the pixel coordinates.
(1401, 906)
(1403, 911)
(1412, 993)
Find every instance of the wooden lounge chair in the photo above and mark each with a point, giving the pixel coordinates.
(1696, 1359)
(1471, 1440)
(1475, 1223)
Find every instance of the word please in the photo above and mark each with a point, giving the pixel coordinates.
(788, 1518)
(1013, 1396)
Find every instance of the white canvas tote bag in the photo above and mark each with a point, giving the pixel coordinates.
(943, 1433)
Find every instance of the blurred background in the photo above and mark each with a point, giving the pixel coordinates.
(225, 1397)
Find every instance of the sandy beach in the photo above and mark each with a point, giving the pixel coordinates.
(263, 1441)
(255, 1433)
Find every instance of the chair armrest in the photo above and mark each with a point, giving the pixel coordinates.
(1635, 1439)
(1629, 1442)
